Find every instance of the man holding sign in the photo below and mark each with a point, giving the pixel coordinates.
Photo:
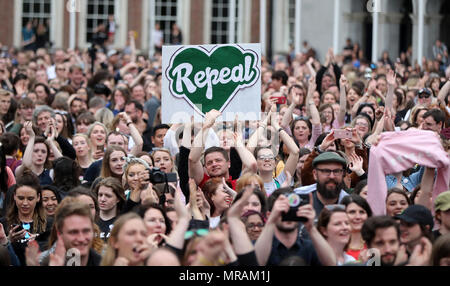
(199, 79)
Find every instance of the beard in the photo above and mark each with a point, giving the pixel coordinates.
(287, 228)
(328, 193)
(388, 263)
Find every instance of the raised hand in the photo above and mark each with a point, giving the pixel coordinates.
(421, 253)
(356, 164)
(391, 78)
(29, 128)
(327, 141)
(58, 258)
(308, 212)
(32, 253)
(211, 117)
(343, 82)
(236, 209)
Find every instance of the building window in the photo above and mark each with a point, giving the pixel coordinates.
(97, 13)
(166, 16)
(220, 21)
(37, 11)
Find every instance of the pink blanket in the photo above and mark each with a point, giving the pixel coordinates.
(399, 151)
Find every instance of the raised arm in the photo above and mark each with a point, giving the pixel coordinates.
(324, 251)
(51, 138)
(426, 186)
(176, 237)
(443, 92)
(195, 166)
(263, 245)
(287, 117)
(291, 162)
(343, 83)
(391, 80)
(247, 158)
(137, 138)
(241, 242)
(27, 160)
(253, 140)
(310, 105)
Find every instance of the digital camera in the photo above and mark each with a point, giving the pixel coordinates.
(295, 202)
(159, 177)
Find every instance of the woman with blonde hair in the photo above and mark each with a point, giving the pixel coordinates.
(97, 133)
(82, 146)
(105, 116)
(127, 244)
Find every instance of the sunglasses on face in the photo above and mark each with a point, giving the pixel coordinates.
(197, 232)
(424, 93)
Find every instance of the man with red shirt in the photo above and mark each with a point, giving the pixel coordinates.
(216, 159)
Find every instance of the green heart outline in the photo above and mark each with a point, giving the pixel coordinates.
(224, 97)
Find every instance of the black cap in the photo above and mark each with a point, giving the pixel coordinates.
(417, 214)
(102, 89)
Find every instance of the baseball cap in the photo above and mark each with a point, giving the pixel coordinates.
(112, 53)
(442, 202)
(329, 157)
(417, 214)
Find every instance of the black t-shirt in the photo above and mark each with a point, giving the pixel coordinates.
(436, 234)
(105, 227)
(20, 246)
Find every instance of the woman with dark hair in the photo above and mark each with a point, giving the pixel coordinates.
(157, 223)
(440, 254)
(50, 199)
(113, 162)
(111, 200)
(334, 225)
(254, 223)
(256, 202)
(66, 175)
(26, 219)
(361, 189)
(358, 211)
(397, 200)
(7, 179)
(120, 97)
(37, 153)
(64, 124)
(218, 198)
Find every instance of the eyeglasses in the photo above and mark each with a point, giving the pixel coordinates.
(196, 232)
(257, 225)
(328, 172)
(266, 157)
(332, 208)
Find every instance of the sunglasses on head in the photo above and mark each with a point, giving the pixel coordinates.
(196, 232)
(332, 208)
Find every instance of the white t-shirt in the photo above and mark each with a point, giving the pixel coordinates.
(272, 186)
(214, 222)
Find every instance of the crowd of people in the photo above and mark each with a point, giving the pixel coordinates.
(349, 159)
